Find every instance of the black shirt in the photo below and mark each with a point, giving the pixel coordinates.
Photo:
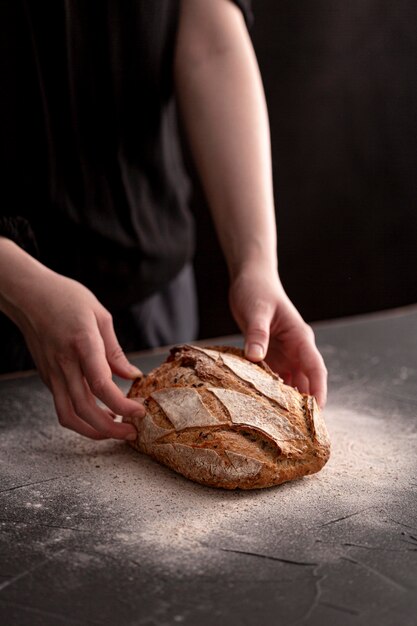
(92, 157)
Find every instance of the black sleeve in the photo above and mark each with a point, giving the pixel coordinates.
(19, 230)
(246, 8)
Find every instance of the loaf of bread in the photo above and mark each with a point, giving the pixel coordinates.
(220, 420)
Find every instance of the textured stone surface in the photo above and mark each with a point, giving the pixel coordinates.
(95, 533)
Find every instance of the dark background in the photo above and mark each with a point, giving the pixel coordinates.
(341, 85)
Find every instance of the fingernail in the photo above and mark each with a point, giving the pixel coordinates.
(135, 372)
(255, 351)
(131, 436)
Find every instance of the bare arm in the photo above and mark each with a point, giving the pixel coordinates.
(222, 102)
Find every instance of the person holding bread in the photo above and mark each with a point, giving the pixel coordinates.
(96, 238)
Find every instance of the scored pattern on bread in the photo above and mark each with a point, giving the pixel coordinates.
(262, 380)
(184, 408)
(245, 410)
(208, 462)
(223, 421)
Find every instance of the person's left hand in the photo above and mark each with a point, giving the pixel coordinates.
(275, 331)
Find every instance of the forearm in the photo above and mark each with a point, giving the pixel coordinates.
(223, 108)
(19, 272)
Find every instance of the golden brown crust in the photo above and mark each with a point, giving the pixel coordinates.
(223, 421)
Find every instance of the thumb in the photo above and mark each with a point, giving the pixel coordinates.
(257, 337)
(116, 358)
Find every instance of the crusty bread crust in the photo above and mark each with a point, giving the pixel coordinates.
(223, 421)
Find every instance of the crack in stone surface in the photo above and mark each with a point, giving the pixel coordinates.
(401, 523)
(317, 596)
(37, 482)
(337, 607)
(376, 548)
(21, 575)
(272, 558)
(376, 572)
(410, 543)
(39, 525)
(340, 519)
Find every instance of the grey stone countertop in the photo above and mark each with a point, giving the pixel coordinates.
(96, 533)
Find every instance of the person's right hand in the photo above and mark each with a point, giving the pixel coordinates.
(72, 341)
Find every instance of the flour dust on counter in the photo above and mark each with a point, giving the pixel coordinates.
(131, 505)
(94, 532)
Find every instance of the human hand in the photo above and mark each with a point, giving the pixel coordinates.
(275, 331)
(72, 341)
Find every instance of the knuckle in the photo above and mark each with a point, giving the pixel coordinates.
(64, 419)
(117, 353)
(80, 341)
(63, 355)
(319, 370)
(78, 407)
(106, 317)
(82, 405)
(309, 333)
(321, 364)
(98, 386)
(258, 331)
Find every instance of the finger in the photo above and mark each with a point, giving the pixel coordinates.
(257, 337)
(66, 414)
(97, 372)
(98, 376)
(318, 387)
(286, 377)
(86, 408)
(116, 358)
(301, 382)
(316, 372)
